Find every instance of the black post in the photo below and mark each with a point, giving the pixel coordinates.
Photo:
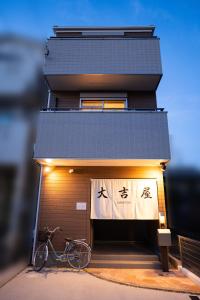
(164, 258)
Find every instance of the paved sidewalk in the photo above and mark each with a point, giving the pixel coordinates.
(59, 284)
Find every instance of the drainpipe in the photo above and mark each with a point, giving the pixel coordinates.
(49, 99)
(37, 214)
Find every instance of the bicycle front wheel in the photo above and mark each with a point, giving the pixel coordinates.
(79, 255)
(40, 257)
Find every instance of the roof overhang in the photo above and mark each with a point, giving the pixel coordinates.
(101, 162)
(103, 82)
(58, 29)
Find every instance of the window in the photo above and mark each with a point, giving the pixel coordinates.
(111, 104)
(92, 104)
(103, 104)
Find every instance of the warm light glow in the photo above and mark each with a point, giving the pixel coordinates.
(71, 171)
(119, 104)
(47, 170)
(48, 160)
(53, 176)
(103, 104)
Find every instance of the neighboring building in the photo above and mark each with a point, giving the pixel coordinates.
(182, 199)
(102, 142)
(21, 91)
(183, 206)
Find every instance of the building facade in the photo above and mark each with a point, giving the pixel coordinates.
(101, 136)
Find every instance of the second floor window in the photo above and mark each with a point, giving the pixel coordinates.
(103, 104)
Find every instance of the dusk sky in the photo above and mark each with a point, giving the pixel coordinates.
(178, 26)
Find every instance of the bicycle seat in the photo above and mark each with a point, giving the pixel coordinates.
(68, 239)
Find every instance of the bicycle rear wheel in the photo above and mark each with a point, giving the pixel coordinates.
(79, 255)
(40, 257)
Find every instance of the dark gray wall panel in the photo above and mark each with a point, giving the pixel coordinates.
(111, 135)
(103, 56)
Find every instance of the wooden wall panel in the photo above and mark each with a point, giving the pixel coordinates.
(60, 191)
(143, 100)
(67, 99)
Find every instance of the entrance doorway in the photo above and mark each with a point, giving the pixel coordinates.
(125, 234)
(124, 244)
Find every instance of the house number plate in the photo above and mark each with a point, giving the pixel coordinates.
(81, 206)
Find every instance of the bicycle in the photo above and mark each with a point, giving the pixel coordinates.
(76, 252)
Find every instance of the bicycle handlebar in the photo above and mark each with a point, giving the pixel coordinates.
(54, 230)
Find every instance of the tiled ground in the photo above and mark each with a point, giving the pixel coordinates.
(173, 281)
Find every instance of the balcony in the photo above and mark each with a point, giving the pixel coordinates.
(126, 137)
(91, 64)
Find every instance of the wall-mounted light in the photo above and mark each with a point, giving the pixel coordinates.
(71, 171)
(163, 166)
(47, 169)
(162, 219)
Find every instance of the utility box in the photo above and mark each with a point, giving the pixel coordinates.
(164, 237)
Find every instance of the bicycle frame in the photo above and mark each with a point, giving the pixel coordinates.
(62, 257)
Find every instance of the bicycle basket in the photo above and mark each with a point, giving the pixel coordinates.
(42, 236)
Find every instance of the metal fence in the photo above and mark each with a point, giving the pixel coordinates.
(190, 254)
(103, 110)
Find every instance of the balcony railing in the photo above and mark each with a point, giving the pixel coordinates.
(128, 134)
(128, 64)
(88, 109)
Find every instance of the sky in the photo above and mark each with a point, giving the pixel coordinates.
(178, 27)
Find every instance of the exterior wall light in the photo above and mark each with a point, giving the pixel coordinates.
(163, 166)
(47, 170)
(71, 171)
